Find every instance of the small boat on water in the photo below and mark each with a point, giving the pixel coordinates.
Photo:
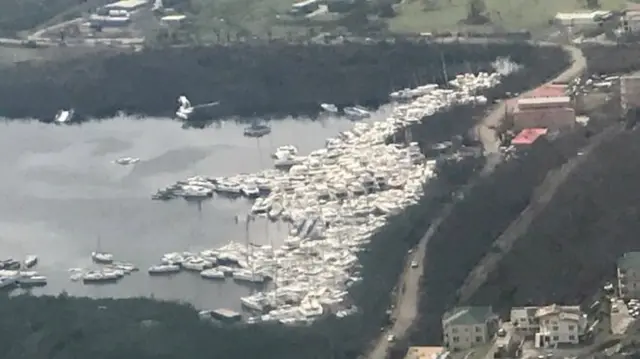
(329, 107)
(32, 281)
(101, 257)
(164, 269)
(30, 261)
(356, 112)
(127, 161)
(187, 112)
(257, 130)
(64, 116)
(212, 274)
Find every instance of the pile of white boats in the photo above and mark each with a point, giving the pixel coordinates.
(107, 270)
(15, 273)
(335, 199)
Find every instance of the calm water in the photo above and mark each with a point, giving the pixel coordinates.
(60, 191)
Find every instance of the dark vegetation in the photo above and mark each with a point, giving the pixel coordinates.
(599, 58)
(246, 79)
(19, 15)
(63, 327)
(493, 203)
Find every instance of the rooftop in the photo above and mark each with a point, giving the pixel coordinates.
(568, 16)
(629, 260)
(548, 91)
(568, 311)
(127, 4)
(467, 316)
(543, 100)
(425, 353)
(173, 18)
(528, 136)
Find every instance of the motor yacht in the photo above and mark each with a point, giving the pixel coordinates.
(164, 269)
(247, 276)
(257, 130)
(196, 192)
(64, 116)
(287, 160)
(356, 112)
(102, 257)
(196, 264)
(127, 161)
(212, 274)
(34, 280)
(30, 261)
(250, 190)
(329, 107)
(284, 151)
(101, 276)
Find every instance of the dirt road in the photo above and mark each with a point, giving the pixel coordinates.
(406, 305)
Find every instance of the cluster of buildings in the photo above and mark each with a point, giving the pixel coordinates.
(466, 327)
(118, 14)
(545, 109)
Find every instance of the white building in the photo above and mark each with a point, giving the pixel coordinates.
(581, 19)
(550, 325)
(629, 275)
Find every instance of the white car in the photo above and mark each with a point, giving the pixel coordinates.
(391, 338)
(414, 264)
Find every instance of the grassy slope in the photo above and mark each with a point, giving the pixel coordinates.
(509, 14)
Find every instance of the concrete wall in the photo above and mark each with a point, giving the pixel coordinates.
(630, 91)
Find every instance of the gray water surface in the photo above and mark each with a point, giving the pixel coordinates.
(60, 192)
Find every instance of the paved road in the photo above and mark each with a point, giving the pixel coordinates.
(406, 305)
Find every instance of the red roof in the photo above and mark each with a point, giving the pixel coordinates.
(528, 136)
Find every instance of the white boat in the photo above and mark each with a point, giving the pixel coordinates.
(35, 280)
(7, 281)
(329, 107)
(101, 276)
(286, 161)
(356, 112)
(196, 192)
(127, 161)
(229, 187)
(185, 109)
(196, 264)
(164, 269)
(248, 276)
(284, 151)
(30, 261)
(102, 257)
(261, 205)
(250, 190)
(212, 274)
(64, 116)
(253, 303)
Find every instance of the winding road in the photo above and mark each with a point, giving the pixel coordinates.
(406, 303)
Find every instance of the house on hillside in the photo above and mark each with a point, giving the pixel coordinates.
(629, 275)
(466, 327)
(550, 325)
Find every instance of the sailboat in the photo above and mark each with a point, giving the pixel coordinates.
(99, 256)
(257, 130)
(193, 113)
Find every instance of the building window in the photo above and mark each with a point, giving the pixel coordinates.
(572, 327)
(478, 329)
(456, 339)
(466, 330)
(478, 339)
(454, 330)
(555, 328)
(572, 337)
(556, 338)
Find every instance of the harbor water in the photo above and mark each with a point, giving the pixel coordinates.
(62, 194)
